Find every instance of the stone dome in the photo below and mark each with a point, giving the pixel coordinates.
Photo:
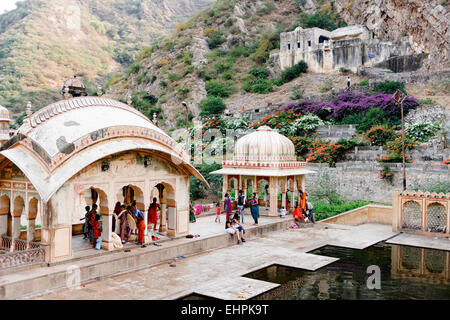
(4, 114)
(264, 145)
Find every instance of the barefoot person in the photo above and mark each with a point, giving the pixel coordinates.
(254, 208)
(153, 218)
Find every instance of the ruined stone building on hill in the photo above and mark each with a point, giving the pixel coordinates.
(349, 47)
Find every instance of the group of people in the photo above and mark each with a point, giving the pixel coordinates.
(125, 219)
(303, 212)
(241, 200)
(91, 227)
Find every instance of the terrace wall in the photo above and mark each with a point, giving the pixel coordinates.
(358, 180)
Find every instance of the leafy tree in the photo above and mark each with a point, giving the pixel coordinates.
(212, 105)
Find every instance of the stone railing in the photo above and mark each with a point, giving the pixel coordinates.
(17, 252)
(421, 213)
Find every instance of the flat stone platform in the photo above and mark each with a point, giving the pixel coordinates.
(219, 272)
(421, 241)
(93, 264)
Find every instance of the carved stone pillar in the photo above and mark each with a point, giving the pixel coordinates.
(31, 228)
(163, 221)
(273, 190)
(56, 236)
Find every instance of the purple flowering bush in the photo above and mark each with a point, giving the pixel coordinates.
(352, 103)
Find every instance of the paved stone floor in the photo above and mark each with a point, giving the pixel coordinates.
(219, 272)
(421, 241)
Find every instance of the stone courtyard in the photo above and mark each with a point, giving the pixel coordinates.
(218, 272)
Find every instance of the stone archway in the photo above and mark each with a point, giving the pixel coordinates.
(5, 215)
(88, 197)
(126, 195)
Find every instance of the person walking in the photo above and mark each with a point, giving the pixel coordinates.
(227, 205)
(254, 208)
(348, 82)
(241, 204)
(217, 212)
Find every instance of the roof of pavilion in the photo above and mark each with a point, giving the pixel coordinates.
(265, 153)
(62, 139)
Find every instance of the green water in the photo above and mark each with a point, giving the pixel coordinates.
(406, 273)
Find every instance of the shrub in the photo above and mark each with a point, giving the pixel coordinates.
(351, 103)
(212, 105)
(373, 117)
(302, 145)
(344, 70)
(386, 174)
(240, 51)
(307, 124)
(324, 211)
(258, 85)
(134, 68)
(173, 77)
(214, 36)
(262, 53)
(397, 145)
(320, 20)
(364, 83)
(389, 87)
(297, 93)
(350, 143)
(379, 135)
(393, 157)
(183, 92)
(291, 73)
(427, 101)
(327, 86)
(259, 72)
(163, 62)
(325, 152)
(219, 89)
(422, 131)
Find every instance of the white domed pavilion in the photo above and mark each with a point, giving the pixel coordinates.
(265, 155)
(87, 150)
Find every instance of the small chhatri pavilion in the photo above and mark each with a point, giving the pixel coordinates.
(265, 155)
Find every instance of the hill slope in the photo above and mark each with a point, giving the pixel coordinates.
(214, 52)
(43, 42)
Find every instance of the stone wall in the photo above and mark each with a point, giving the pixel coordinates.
(359, 180)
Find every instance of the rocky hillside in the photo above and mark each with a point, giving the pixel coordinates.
(211, 52)
(43, 42)
(220, 52)
(426, 22)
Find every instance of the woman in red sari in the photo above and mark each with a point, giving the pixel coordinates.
(96, 232)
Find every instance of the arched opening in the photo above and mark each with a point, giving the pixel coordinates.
(127, 195)
(264, 191)
(5, 215)
(32, 215)
(88, 197)
(412, 215)
(436, 218)
(19, 204)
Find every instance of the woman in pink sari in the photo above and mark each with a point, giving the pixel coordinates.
(227, 206)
